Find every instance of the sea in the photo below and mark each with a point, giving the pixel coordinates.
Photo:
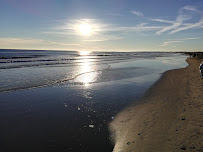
(65, 100)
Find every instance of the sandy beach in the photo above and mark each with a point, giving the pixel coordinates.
(167, 119)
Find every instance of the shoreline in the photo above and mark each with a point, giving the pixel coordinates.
(167, 118)
(74, 116)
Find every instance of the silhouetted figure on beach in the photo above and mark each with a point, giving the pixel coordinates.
(201, 69)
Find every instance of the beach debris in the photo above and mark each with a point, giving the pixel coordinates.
(78, 108)
(128, 143)
(183, 147)
(52, 143)
(192, 147)
(65, 105)
(112, 117)
(91, 126)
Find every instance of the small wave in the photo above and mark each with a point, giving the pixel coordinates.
(33, 63)
(103, 75)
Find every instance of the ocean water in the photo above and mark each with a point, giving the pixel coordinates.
(64, 100)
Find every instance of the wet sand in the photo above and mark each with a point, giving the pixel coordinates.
(167, 119)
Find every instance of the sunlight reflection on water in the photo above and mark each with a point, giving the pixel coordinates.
(87, 69)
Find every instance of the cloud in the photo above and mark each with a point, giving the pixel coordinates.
(195, 25)
(27, 42)
(71, 27)
(143, 27)
(191, 38)
(162, 21)
(189, 8)
(182, 22)
(167, 43)
(101, 31)
(135, 29)
(104, 38)
(137, 13)
(179, 21)
(179, 24)
(20, 41)
(113, 13)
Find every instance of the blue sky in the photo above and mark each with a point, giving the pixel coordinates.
(114, 25)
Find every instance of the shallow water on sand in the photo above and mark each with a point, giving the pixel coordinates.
(67, 106)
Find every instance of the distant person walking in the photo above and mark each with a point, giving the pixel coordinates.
(201, 69)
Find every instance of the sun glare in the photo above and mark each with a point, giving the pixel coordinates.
(85, 29)
(84, 53)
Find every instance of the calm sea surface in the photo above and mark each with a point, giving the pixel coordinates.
(64, 101)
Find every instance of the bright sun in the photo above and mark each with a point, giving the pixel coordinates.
(85, 29)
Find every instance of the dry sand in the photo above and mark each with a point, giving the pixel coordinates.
(168, 118)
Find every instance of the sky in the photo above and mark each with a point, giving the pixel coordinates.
(102, 25)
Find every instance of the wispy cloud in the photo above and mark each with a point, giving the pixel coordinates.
(29, 42)
(191, 38)
(72, 27)
(100, 31)
(137, 13)
(20, 41)
(195, 25)
(137, 28)
(179, 24)
(189, 8)
(179, 21)
(182, 22)
(104, 38)
(113, 13)
(162, 21)
(167, 43)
